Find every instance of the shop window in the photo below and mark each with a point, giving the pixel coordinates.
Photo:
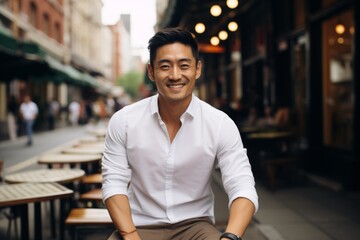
(46, 24)
(33, 14)
(337, 80)
(57, 33)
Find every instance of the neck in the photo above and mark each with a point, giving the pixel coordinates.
(172, 111)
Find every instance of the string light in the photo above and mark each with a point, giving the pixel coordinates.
(232, 26)
(232, 3)
(215, 10)
(215, 41)
(223, 35)
(200, 28)
(339, 28)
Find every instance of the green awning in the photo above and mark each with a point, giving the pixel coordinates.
(8, 44)
(69, 74)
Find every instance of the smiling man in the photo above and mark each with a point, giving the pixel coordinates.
(160, 153)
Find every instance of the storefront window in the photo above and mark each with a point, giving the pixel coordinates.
(337, 80)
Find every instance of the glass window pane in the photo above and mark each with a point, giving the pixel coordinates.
(337, 80)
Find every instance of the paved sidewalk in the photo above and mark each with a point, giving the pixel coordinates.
(305, 212)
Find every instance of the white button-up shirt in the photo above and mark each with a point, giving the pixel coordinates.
(171, 181)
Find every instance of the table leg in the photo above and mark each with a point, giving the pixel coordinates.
(24, 221)
(52, 218)
(37, 222)
(62, 214)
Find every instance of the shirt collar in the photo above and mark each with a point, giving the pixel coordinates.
(189, 111)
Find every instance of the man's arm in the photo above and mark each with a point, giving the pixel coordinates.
(241, 213)
(120, 213)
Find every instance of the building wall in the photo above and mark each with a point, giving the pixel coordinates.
(107, 53)
(54, 11)
(85, 31)
(121, 43)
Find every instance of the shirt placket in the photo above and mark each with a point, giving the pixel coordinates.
(169, 176)
(169, 173)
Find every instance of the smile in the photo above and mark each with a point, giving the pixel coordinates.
(176, 85)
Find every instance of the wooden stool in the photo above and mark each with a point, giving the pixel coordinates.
(92, 197)
(95, 178)
(88, 217)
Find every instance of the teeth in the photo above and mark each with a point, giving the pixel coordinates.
(176, 86)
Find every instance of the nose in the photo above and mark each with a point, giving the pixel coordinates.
(175, 73)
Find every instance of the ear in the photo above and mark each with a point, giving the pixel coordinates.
(198, 69)
(150, 72)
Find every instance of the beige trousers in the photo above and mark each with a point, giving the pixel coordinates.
(193, 229)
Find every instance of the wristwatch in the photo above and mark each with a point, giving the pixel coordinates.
(230, 236)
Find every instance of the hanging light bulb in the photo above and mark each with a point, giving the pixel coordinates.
(200, 28)
(339, 28)
(215, 10)
(223, 35)
(232, 26)
(232, 3)
(215, 41)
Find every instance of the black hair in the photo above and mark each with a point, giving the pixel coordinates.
(172, 35)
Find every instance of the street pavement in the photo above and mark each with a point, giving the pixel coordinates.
(305, 211)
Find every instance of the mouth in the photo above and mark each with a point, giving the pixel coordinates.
(175, 85)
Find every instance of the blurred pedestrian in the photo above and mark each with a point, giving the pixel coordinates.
(12, 113)
(160, 153)
(29, 111)
(74, 112)
(53, 109)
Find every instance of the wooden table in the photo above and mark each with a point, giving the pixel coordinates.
(72, 159)
(90, 139)
(62, 176)
(270, 135)
(21, 194)
(83, 150)
(46, 175)
(269, 151)
(99, 145)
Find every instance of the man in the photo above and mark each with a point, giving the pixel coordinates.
(29, 111)
(74, 112)
(160, 153)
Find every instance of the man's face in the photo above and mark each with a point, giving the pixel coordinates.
(174, 72)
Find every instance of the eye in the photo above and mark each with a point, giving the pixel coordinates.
(184, 66)
(164, 67)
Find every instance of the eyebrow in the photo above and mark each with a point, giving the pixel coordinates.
(180, 60)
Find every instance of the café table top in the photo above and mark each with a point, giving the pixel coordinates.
(22, 193)
(270, 135)
(46, 175)
(83, 150)
(90, 139)
(99, 145)
(61, 158)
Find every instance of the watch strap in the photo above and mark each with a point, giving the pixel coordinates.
(230, 236)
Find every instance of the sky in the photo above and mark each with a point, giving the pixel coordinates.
(143, 19)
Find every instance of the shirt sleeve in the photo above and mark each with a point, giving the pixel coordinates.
(115, 168)
(234, 164)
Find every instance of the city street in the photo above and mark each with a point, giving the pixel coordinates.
(302, 212)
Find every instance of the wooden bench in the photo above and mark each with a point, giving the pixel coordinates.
(86, 218)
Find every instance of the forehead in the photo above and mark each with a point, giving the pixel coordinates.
(174, 52)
